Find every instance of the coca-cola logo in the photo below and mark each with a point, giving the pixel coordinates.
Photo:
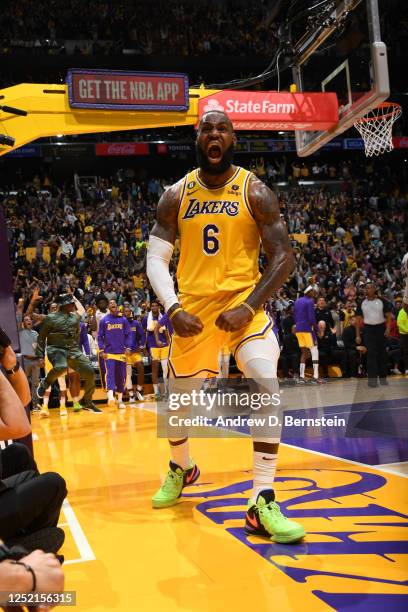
(121, 149)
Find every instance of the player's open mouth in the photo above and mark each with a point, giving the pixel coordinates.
(214, 151)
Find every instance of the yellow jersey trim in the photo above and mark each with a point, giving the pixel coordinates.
(246, 198)
(233, 177)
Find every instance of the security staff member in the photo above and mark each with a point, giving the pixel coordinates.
(375, 312)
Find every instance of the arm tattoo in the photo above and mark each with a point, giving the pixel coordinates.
(275, 242)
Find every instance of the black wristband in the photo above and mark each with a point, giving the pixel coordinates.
(29, 569)
(13, 369)
(173, 307)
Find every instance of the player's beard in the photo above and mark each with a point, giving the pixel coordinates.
(221, 167)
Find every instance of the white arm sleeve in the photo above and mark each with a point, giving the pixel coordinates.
(157, 269)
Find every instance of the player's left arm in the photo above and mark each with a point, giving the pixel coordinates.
(278, 250)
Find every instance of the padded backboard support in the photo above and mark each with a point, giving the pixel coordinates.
(338, 65)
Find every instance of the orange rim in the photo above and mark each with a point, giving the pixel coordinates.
(394, 109)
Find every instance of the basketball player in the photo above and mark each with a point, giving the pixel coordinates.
(135, 358)
(163, 333)
(101, 302)
(306, 330)
(114, 341)
(221, 213)
(156, 343)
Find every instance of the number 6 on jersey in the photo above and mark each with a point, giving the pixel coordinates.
(211, 244)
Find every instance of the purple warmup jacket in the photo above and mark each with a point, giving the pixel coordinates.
(164, 321)
(138, 336)
(83, 339)
(114, 335)
(305, 316)
(151, 340)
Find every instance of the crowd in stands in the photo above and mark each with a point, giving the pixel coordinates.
(94, 239)
(106, 28)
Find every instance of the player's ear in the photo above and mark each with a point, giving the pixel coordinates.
(234, 140)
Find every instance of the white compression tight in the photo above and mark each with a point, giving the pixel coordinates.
(258, 359)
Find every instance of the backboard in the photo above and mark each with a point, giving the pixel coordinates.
(342, 53)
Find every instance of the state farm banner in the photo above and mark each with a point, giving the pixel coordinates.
(400, 142)
(120, 90)
(121, 149)
(271, 110)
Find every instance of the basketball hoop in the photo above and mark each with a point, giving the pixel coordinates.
(376, 128)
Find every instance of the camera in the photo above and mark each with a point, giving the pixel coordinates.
(4, 341)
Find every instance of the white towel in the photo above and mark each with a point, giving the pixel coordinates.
(151, 323)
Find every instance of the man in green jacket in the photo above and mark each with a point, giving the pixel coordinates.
(60, 330)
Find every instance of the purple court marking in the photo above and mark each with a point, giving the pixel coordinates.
(376, 432)
(218, 508)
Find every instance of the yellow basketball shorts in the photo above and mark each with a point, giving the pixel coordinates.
(134, 359)
(198, 355)
(159, 353)
(305, 339)
(47, 365)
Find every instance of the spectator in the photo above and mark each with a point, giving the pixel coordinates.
(329, 354)
(354, 348)
(324, 314)
(28, 343)
(290, 354)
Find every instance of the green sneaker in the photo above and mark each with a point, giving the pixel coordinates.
(171, 489)
(264, 518)
(76, 407)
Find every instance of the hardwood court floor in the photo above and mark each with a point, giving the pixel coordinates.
(122, 555)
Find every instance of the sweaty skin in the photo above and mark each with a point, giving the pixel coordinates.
(215, 128)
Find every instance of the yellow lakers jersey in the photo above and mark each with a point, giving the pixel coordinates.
(219, 239)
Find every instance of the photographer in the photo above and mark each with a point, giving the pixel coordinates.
(35, 572)
(29, 501)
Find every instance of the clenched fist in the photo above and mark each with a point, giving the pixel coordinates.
(234, 319)
(186, 324)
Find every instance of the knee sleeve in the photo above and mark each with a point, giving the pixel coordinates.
(315, 353)
(259, 358)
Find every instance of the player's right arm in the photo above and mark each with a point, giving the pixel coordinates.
(161, 246)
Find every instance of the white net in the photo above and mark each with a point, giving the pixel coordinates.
(376, 128)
